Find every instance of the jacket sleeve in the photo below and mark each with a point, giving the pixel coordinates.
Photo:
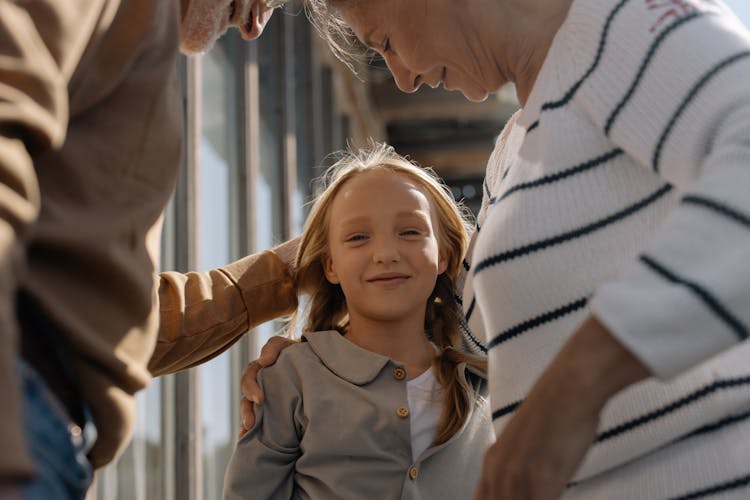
(684, 114)
(203, 314)
(41, 43)
(263, 463)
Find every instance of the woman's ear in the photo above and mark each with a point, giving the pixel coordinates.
(329, 270)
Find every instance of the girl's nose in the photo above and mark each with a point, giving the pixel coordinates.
(386, 252)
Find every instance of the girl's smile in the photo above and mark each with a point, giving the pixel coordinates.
(382, 248)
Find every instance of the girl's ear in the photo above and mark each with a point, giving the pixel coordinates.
(329, 270)
(442, 262)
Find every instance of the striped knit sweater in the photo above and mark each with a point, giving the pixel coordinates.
(622, 189)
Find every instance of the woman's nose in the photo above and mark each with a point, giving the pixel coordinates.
(405, 80)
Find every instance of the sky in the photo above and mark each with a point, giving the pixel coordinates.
(741, 8)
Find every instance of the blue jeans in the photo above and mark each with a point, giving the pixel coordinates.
(58, 446)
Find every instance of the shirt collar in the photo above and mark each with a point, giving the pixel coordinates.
(360, 366)
(344, 358)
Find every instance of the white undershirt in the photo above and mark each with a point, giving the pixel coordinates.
(425, 396)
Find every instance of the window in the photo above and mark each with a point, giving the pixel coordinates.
(217, 228)
(260, 117)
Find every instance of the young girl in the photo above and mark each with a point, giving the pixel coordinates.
(375, 402)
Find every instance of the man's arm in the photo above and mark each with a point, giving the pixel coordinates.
(203, 314)
(546, 439)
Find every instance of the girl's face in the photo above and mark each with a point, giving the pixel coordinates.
(382, 247)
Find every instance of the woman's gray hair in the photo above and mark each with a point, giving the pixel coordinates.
(324, 15)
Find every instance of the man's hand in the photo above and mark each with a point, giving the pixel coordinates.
(251, 391)
(545, 441)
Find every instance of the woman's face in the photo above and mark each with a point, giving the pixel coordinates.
(426, 41)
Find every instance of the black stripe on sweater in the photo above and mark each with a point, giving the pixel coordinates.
(537, 321)
(740, 482)
(599, 51)
(641, 71)
(470, 310)
(654, 415)
(716, 426)
(701, 293)
(487, 191)
(672, 407)
(725, 422)
(505, 410)
(571, 235)
(719, 208)
(563, 174)
(597, 58)
(472, 338)
(656, 159)
(507, 170)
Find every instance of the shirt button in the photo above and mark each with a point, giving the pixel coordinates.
(413, 472)
(402, 411)
(399, 373)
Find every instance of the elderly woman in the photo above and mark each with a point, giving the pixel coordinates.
(615, 233)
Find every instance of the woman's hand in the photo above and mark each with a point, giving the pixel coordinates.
(545, 441)
(540, 448)
(251, 391)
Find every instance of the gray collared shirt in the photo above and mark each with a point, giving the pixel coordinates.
(335, 424)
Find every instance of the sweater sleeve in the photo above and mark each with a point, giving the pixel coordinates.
(678, 102)
(40, 45)
(264, 460)
(203, 314)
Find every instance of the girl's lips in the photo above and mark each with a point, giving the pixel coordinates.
(388, 281)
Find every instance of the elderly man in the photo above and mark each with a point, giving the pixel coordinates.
(90, 143)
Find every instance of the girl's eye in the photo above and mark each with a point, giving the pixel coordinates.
(357, 237)
(410, 232)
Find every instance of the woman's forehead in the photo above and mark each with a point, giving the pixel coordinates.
(366, 16)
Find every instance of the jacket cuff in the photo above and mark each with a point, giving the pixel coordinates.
(265, 284)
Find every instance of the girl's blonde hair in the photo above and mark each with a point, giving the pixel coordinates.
(326, 308)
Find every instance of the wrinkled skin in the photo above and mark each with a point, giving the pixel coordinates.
(205, 21)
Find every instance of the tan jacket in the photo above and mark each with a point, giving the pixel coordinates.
(333, 426)
(90, 144)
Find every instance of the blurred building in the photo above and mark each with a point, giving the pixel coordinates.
(262, 118)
